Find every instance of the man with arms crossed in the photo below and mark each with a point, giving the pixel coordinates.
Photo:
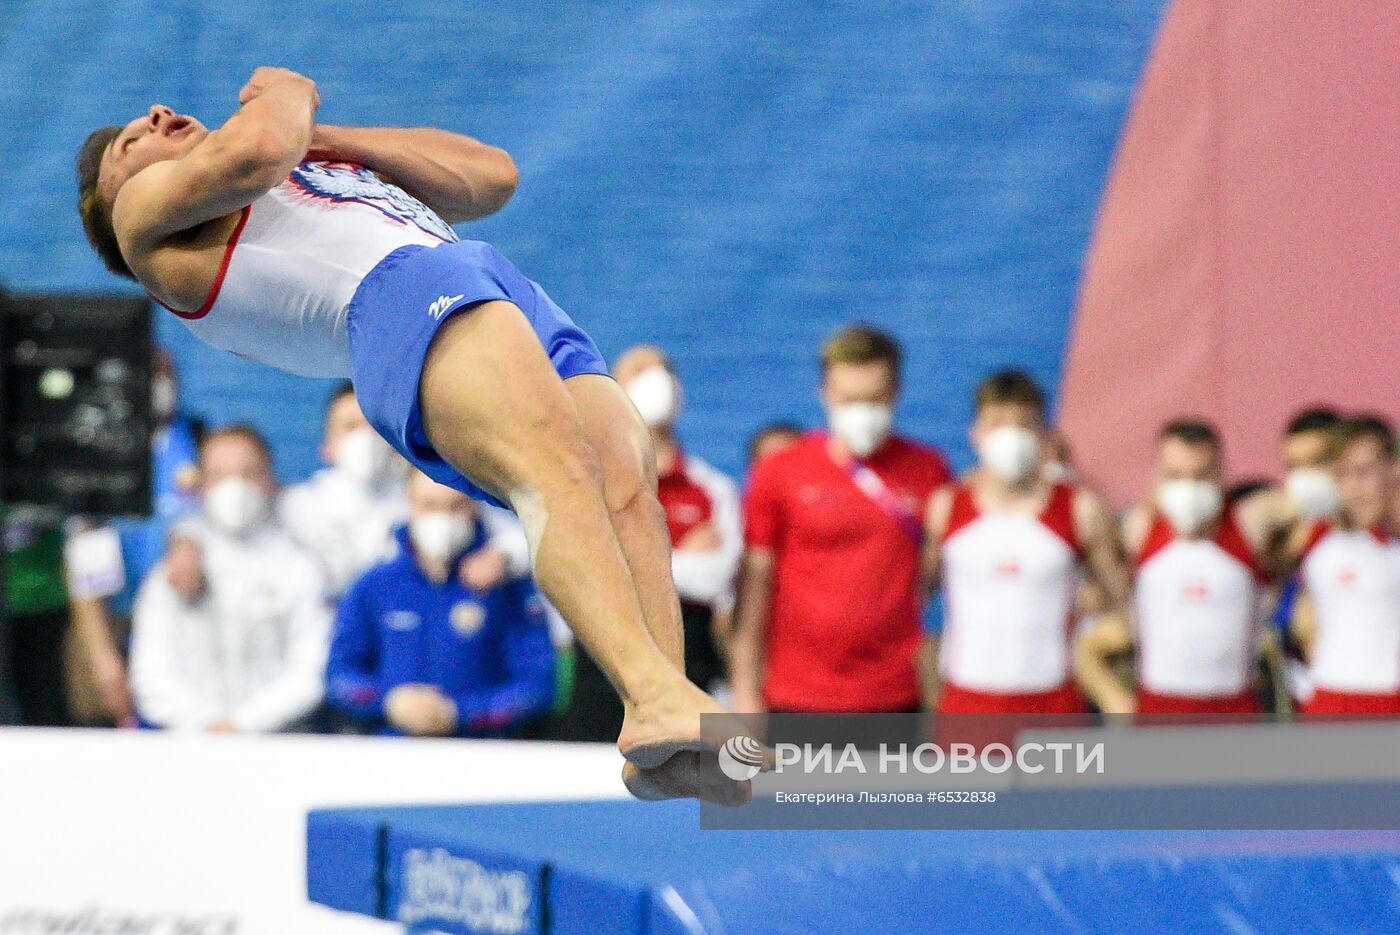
(326, 251)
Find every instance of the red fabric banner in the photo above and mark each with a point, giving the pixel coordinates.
(1246, 260)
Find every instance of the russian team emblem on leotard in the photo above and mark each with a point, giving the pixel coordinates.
(344, 181)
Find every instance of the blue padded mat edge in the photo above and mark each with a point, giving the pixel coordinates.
(648, 869)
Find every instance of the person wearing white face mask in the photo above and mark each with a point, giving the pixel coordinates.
(830, 614)
(419, 651)
(1308, 494)
(1010, 548)
(345, 514)
(1309, 453)
(1348, 619)
(230, 631)
(1199, 581)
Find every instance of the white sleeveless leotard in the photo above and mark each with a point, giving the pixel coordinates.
(1196, 610)
(295, 259)
(1353, 578)
(1010, 580)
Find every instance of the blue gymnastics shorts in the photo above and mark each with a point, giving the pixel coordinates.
(399, 307)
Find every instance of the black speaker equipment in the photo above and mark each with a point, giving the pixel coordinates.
(75, 403)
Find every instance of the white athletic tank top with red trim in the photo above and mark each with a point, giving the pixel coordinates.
(1010, 581)
(1353, 578)
(1196, 610)
(295, 259)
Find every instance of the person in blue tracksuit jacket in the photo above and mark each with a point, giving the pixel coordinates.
(419, 651)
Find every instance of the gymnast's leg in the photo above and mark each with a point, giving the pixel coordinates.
(613, 429)
(494, 407)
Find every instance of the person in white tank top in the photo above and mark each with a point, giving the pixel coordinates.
(1199, 583)
(269, 235)
(1348, 618)
(1010, 549)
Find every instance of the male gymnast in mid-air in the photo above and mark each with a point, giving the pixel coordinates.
(327, 251)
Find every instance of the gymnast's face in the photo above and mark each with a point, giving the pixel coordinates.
(157, 136)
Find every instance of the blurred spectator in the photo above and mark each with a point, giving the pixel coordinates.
(1010, 548)
(1057, 458)
(702, 511)
(830, 615)
(1348, 621)
(1395, 499)
(230, 630)
(1308, 452)
(763, 444)
(1198, 587)
(346, 514)
(106, 564)
(420, 651)
(36, 612)
(771, 439)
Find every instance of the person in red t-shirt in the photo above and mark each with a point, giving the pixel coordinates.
(830, 615)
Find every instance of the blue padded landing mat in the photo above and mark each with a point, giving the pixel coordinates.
(631, 868)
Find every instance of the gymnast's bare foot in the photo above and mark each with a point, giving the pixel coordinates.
(687, 775)
(655, 730)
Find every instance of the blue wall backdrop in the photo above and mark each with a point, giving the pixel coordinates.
(729, 178)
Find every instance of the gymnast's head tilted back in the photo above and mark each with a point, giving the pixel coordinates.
(111, 155)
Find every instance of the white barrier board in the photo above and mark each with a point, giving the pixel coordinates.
(143, 833)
